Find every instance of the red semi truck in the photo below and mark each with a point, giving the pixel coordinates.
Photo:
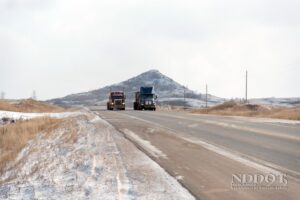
(116, 101)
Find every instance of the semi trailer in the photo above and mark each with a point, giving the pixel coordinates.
(116, 101)
(145, 99)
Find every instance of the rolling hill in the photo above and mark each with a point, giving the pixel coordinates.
(169, 92)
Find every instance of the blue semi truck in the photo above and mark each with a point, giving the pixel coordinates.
(145, 99)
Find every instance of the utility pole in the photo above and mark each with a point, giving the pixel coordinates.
(33, 95)
(246, 97)
(2, 95)
(206, 96)
(183, 97)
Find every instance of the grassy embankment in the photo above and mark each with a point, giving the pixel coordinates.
(29, 106)
(232, 108)
(15, 136)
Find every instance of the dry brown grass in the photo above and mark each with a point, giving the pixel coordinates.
(29, 106)
(72, 131)
(232, 108)
(13, 137)
(286, 113)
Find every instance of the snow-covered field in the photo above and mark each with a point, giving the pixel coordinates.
(23, 115)
(288, 102)
(196, 103)
(99, 164)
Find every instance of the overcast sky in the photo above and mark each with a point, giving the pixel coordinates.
(59, 47)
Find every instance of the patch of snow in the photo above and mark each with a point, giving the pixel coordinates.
(287, 102)
(179, 177)
(154, 151)
(190, 101)
(95, 119)
(124, 188)
(23, 115)
(271, 120)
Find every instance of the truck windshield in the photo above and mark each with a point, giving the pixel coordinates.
(148, 96)
(117, 97)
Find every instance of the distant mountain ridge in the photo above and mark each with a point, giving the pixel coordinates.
(169, 92)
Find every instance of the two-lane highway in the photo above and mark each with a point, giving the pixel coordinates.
(269, 142)
(205, 150)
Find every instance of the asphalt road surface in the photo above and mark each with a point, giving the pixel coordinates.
(206, 153)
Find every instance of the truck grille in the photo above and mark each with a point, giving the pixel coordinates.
(148, 102)
(118, 102)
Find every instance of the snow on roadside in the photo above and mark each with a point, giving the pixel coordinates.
(273, 120)
(141, 169)
(99, 164)
(23, 115)
(145, 144)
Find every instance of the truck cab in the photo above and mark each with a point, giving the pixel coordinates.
(116, 101)
(145, 99)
